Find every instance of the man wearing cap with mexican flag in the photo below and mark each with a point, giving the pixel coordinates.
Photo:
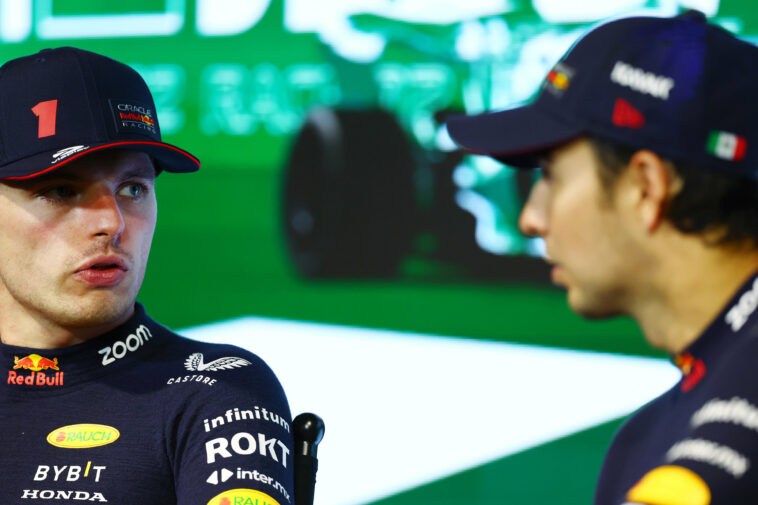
(647, 139)
(98, 402)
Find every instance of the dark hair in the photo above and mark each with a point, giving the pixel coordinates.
(708, 201)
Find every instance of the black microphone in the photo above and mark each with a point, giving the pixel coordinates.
(308, 430)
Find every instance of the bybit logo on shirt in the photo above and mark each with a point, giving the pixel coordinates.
(38, 366)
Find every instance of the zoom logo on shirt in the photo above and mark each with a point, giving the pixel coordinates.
(743, 309)
(131, 343)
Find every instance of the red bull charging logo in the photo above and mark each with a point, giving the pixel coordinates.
(36, 364)
(693, 369)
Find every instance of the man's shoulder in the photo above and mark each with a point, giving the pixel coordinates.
(735, 372)
(214, 365)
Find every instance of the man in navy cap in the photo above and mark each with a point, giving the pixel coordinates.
(647, 139)
(98, 402)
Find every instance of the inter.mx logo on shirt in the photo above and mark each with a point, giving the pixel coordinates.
(39, 367)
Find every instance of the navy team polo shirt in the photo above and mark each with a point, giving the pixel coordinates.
(142, 416)
(697, 444)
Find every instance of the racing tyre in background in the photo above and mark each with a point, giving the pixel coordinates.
(348, 195)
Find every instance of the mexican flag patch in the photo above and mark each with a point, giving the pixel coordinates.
(726, 145)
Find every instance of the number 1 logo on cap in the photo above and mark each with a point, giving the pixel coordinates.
(45, 112)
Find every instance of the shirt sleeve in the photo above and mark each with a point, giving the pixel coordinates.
(714, 463)
(231, 435)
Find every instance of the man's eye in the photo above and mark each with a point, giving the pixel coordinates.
(58, 193)
(134, 190)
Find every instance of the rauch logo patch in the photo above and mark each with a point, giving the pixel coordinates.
(242, 497)
(83, 436)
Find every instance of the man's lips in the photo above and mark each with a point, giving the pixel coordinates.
(103, 271)
(555, 271)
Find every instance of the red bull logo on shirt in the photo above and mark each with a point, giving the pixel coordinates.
(37, 365)
(242, 497)
(693, 369)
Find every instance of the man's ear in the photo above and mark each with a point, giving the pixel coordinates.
(651, 178)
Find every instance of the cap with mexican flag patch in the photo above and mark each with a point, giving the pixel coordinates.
(727, 145)
(679, 86)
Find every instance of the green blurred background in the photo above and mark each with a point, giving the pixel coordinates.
(233, 81)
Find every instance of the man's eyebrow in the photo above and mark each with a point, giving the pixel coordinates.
(68, 176)
(143, 172)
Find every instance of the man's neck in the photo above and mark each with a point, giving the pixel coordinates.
(688, 292)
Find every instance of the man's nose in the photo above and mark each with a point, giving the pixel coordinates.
(106, 215)
(533, 220)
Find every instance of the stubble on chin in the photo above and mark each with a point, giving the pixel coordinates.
(97, 315)
(593, 305)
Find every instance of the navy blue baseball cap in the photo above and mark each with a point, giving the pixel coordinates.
(678, 86)
(61, 104)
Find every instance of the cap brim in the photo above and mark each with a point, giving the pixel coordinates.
(514, 136)
(168, 158)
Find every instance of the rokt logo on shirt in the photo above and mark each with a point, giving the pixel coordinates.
(36, 364)
(82, 436)
(242, 497)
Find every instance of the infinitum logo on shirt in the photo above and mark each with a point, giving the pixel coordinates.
(38, 366)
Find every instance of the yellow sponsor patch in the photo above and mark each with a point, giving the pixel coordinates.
(670, 485)
(83, 436)
(242, 497)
